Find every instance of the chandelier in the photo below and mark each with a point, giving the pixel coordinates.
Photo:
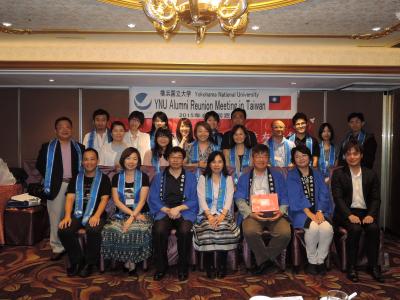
(198, 15)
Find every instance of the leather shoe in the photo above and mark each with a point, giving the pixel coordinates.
(158, 275)
(86, 271)
(183, 275)
(74, 269)
(352, 274)
(262, 268)
(221, 273)
(132, 273)
(311, 269)
(56, 255)
(376, 273)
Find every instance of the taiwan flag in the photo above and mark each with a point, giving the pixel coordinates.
(279, 103)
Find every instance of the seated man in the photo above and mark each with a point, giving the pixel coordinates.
(173, 203)
(90, 191)
(262, 180)
(355, 190)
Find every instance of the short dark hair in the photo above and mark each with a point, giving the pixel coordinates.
(352, 144)
(177, 149)
(206, 126)
(58, 120)
(212, 114)
(188, 123)
(126, 153)
(101, 112)
(302, 149)
(91, 150)
(358, 115)
(137, 115)
(260, 148)
(298, 116)
(117, 123)
(321, 129)
(238, 109)
(247, 141)
(210, 159)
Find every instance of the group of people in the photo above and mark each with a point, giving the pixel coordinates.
(200, 177)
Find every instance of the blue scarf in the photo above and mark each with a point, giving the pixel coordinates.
(194, 156)
(323, 163)
(245, 162)
(272, 155)
(152, 136)
(217, 138)
(92, 136)
(309, 141)
(221, 193)
(51, 150)
(360, 138)
(137, 186)
(155, 162)
(80, 190)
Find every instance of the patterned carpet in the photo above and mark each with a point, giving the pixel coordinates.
(27, 273)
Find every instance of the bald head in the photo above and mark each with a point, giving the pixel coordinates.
(278, 128)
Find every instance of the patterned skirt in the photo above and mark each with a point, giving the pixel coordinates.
(134, 245)
(224, 238)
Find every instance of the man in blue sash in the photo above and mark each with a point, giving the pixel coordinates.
(58, 161)
(87, 197)
(263, 181)
(279, 147)
(173, 203)
(301, 137)
(357, 133)
(100, 134)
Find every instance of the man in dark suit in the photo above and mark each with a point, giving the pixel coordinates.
(58, 161)
(356, 194)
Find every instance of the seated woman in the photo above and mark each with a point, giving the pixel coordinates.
(310, 208)
(157, 156)
(215, 229)
(90, 191)
(111, 152)
(128, 238)
(184, 133)
(239, 156)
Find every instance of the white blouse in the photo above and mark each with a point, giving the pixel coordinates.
(110, 154)
(140, 142)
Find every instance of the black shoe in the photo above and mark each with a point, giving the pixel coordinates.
(376, 273)
(352, 274)
(261, 269)
(221, 272)
(86, 271)
(56, 255)
(132, 273)
(74, 269)
(158, 275)
(321, 269)
(183, 275)
(312, 269)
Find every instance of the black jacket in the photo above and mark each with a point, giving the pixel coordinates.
(57, 174)
(342, 191)
(369, 146)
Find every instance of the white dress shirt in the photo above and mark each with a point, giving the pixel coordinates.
(140, 142)
(358, 195)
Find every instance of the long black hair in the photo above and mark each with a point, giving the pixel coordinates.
(211, 157)
(162, 116)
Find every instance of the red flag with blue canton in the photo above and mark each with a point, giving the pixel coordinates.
(279, 103)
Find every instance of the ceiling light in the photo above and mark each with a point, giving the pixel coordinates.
(131, 25)
(293, 83)
(376, 28)
(51, 80)
(197, 15)
(255, 27)
(6, 24)
(173, 81)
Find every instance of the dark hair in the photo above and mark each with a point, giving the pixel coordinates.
(298, 116)
(91, 150)
(117, 123)
(302, 149)
(206, 126)
(207, 172)
(58, 120)
(358, 115)
(177, 149)
(352, 144)
(126, 153)
(137, 115)
(184, 121)
(157, 151)
(238, 109)
(247, 141)
(260, 148)
(101, 112)
(212, 114)
(162, 116)
(321, 129)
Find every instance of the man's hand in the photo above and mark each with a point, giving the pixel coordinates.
(368, 220)
(65, 223)
(354, 219)
(174, 213)
(276, 215)
(94, 221)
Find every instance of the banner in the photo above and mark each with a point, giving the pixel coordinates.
(261, 105)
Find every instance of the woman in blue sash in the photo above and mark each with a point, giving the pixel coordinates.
(184, 133)
(157, 156)
(159, 120)
(328, 157)
(239, 156)
(215, 229)
(86, 199)
(128, 237)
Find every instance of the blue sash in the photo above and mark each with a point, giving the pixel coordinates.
(245, 162)
(155, 162)
(194, 155)
(79, 191)
(51, 150)
(152, 136)
(137, 186)
(309, 141)
(323, 163)
(221, 193)
(92, 136)
(272, 155)
(360, 138)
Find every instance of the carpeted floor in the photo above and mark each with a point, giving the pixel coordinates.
(27, 273)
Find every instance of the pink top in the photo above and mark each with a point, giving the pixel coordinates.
(66, 160)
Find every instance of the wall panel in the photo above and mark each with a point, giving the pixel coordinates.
(312, 104)
(9, 126)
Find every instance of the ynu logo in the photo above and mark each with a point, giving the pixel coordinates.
(140, 102)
